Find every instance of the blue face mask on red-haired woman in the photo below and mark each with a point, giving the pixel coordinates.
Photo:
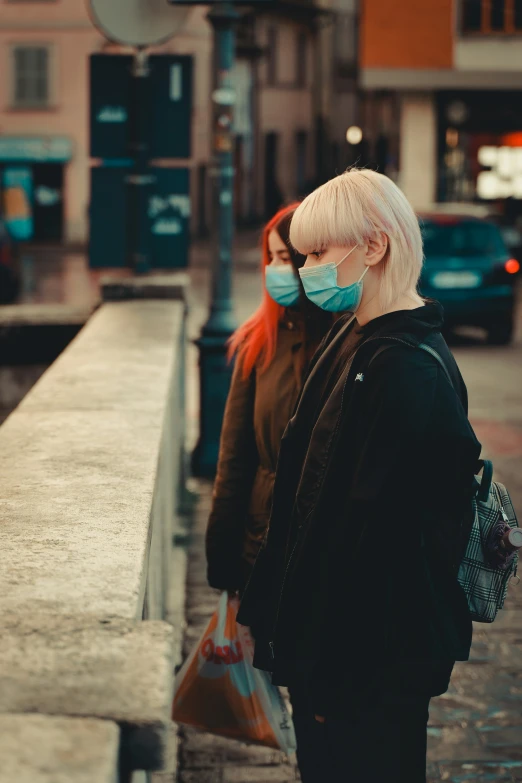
(282, 284)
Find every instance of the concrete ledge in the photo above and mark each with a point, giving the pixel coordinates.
(42, 315)
(173, 286)
(43, 749)
(80, 667)
(122, 361)
(75, 509)
(79, 465)
(92, 469)
(429, 79)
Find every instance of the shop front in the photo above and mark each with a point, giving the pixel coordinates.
(32, 186)
(480, 149)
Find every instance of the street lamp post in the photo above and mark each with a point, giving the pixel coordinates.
(214, 367)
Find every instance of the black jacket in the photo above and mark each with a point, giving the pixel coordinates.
(371, 514)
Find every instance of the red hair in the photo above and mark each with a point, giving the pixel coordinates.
(256, 339)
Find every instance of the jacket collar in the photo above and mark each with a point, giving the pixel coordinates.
(416, 324)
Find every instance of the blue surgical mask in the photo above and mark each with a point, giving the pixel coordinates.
(320, 285)
(282, 284)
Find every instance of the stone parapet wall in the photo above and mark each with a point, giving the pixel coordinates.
(92, 464)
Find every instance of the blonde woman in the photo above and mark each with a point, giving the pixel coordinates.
(354, 600)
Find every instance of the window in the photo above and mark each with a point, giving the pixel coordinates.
(31, 76)
(301, 59)
(518, 14)
(272, 56)
(497, 15)
(472, 16)
(492, 16)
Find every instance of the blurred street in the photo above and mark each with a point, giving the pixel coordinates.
(475, 729)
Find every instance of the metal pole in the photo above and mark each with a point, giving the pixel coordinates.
(215, 370)
(140, 180)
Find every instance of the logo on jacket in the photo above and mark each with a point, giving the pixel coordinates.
(359, 377)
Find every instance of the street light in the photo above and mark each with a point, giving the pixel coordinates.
(354, 135)
(214, 367)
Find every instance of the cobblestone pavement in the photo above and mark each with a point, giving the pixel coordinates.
(475, 730)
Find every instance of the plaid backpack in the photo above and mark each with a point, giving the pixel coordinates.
(484, 572)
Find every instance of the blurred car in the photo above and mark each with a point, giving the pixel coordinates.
(470, 271)
(9, 277)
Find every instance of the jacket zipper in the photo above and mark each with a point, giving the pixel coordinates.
(271, 642)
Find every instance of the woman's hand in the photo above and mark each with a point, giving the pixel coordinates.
(320, 718)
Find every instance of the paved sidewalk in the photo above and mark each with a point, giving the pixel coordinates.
(475, 731)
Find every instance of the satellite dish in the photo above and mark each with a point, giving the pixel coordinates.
(137, 22)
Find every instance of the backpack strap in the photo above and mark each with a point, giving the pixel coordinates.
(378, 352)
(424, 347)
(484, 465)
(439, 359)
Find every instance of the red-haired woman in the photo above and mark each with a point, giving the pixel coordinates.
(272, 350)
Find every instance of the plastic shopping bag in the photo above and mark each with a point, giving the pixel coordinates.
(219, 691)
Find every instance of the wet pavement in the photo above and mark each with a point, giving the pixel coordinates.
(475, 732)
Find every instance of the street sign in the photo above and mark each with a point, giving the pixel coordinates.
(170, 106)
(111, 90)
(136, 22)
(42, 149)
(168, 217)
(107, 214)
(169, 118)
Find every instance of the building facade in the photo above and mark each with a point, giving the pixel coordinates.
(44, 49)
(295, 77)
(442, 83)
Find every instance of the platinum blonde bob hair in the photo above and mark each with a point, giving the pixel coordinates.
(357, 206)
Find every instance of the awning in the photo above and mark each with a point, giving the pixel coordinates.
(35, 149)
